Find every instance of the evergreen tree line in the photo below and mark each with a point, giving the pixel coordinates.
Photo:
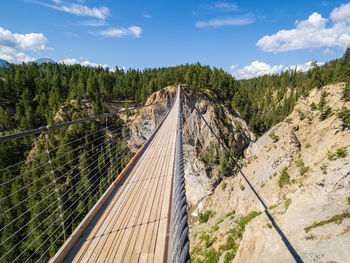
(31, 95)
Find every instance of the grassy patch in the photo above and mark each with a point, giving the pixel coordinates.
(242, 187)
(273, 206)
(349, 200)
(308, 145)
(269, 225)
(204, 217)
(287, 203)
(339, 153)
(337, 218)
(284, 177)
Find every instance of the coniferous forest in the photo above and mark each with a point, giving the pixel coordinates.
(32, 94)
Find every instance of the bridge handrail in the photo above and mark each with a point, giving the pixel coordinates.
(180, 243)
(60, 125)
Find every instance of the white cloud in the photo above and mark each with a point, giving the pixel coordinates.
(303, 67)
(147, 16)
(231, 21)
(78, 9)
(57, 1)
(341, 14)
(86, 63)
(225, 6)
(94, 23)
(258, 68)
(122, 32)
(31, 41)
(12, 45)
(311, 33)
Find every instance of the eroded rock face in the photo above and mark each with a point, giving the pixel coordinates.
(201, 178)
(142, 126)
(317, 191)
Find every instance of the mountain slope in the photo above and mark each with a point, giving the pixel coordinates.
(308, 200)
(44, 60)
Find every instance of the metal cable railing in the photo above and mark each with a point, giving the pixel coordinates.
(56, 188)
(179, 242)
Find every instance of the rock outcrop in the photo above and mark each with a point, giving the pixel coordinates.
(200, 177)
(309, 200)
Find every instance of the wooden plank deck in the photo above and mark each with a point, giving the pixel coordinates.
(134, 223)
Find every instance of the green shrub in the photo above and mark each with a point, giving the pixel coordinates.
(313, 106)
(331, 156)
(337, 218)
(269, 225)
(223, 185)
(229, 256)
(308, 145)
(284, 177)
(302, 168)
(344, 115)
(341, 152)
(274, 137)
(349, 200)
(204, 217)
(211, 256)
(215, 228)
(242, 187)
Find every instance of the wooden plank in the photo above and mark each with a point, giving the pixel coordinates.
(134, 227)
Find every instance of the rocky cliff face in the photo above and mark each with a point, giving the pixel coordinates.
(201, 178)
(143, 123)
(301, 169)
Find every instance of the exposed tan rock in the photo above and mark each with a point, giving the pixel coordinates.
(316, 196)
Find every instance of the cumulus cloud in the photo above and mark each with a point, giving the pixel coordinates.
(341, 14)
(303, 67)
(86, 63)
(12, 45)
(258, 68)
(122, 32)
(311, 33)
(31, 41)
(230, 21)
(78, 9)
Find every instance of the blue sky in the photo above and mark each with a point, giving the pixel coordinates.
(245, 38)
